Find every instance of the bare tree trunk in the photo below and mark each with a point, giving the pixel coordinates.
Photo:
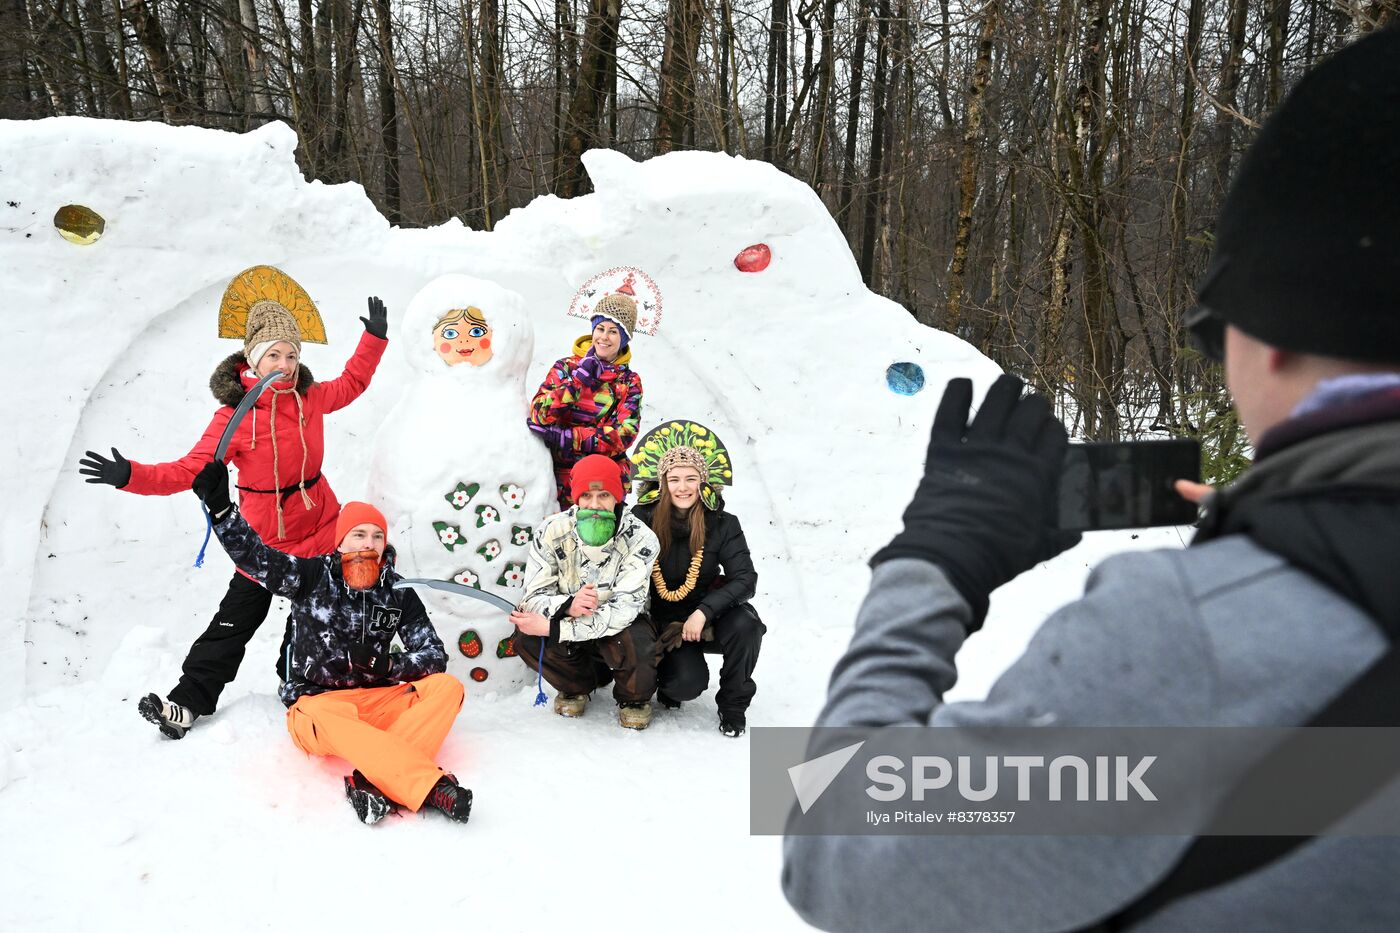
(968, 168)
(1278, 11)
(151, 35)
(253, 57)
(15, 103)
(492, 127)
(844, 216)
(821, 119)
(586, 109)
(388, 112)
(676, 93)
(775, 88)
(114, 94)
(1226, 100)
(874, 178)
(726, 65)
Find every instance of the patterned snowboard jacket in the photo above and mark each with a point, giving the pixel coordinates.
(602, 419)
(560, 565)
(328, 616)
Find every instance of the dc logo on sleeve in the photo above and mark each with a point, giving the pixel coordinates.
(383, 621)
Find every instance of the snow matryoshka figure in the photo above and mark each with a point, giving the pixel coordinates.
(462, 481)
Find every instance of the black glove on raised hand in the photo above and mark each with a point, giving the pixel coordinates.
(986, 509)
(374, 663)
(211, 485)
(98, 469)
(378, 321)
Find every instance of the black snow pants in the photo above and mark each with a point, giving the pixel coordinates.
(214, 657)
(683, 673)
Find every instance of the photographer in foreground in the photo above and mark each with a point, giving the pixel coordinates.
(1285, 598)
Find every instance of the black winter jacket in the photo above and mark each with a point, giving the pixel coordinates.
(328, 616)
(725, 551)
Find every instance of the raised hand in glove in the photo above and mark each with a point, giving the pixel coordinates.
(211, 485)
(372, 662)
(98, 469)
(378, 321)
(554, 436)
(986, 509)
(589, 371)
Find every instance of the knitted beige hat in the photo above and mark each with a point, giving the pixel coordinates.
(269, 322)
(683, 456)
(619, 308)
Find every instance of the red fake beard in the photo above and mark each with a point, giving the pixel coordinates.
(361, 568)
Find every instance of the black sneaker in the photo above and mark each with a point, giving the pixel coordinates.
(732, 724)
(172, 719)
(451, 799)
(369, 802)
(668, 702)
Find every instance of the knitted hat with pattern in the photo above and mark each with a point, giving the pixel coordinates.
(268, 323)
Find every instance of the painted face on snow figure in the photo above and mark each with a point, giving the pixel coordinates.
(463, 336)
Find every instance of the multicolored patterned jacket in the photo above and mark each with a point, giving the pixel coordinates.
(328, 616)
(601, 420)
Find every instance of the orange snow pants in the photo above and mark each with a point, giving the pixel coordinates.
(389, 733)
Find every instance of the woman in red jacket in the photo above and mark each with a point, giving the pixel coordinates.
(277, 449)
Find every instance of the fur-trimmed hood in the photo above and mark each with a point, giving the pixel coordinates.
(226, 383)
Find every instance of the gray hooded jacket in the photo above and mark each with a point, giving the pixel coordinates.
(1223, 633)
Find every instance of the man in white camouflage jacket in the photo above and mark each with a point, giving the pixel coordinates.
(585, 588)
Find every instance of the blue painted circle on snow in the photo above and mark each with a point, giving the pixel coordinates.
(905, 378)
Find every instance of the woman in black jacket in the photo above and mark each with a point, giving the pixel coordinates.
(700, 590)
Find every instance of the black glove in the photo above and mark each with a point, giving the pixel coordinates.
(211, 485)
(374, 663)
(378, 321)
(986, 509)
(98, 469)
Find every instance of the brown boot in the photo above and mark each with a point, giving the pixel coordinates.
(570, 705)
(634, 715)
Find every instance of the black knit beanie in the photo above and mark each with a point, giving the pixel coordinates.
(1307, 248)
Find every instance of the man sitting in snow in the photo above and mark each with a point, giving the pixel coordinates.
(586, 583)
(385, 713)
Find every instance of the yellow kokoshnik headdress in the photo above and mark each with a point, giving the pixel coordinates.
(259, 288)
(682, 443)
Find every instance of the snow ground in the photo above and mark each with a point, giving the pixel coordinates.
(108, 826)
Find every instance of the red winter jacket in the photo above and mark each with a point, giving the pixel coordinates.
(308, 513)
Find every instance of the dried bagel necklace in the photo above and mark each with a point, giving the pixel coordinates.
(692, 576)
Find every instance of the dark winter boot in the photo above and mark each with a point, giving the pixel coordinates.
(451, 799)
(668, 702)
(369, 802)
(172, 719)
(732, 724)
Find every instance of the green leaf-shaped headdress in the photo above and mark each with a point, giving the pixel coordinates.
(663, 438)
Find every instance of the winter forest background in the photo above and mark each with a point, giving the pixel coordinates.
(1039, 178)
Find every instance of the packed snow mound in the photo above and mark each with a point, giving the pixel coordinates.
(112, 345)
(787, 364)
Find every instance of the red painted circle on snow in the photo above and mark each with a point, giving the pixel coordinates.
(753, 258)
(479, 674)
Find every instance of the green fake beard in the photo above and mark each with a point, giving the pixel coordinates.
(596, 526)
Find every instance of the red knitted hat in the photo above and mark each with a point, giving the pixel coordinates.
(357, 513)
(596, 469)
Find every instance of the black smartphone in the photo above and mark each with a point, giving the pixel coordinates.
(1127, 485)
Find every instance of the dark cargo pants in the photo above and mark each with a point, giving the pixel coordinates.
(627, 660)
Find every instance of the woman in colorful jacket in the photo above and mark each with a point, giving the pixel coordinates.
(701, 585)
(591, 402)
(277, 449)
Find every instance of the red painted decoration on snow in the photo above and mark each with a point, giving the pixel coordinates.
(470, 643)
(753, 258)
(505, 648)
(479, 674)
